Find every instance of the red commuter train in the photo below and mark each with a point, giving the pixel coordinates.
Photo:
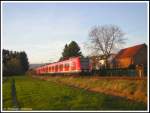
(72, 65)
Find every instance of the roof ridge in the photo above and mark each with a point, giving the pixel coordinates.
(130, 51)
(134, 46)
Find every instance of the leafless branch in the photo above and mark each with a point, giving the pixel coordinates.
(104, 38)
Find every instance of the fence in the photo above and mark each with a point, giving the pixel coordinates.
(118, 72)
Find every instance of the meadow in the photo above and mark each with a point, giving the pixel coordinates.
(38, 94)
(133, 88)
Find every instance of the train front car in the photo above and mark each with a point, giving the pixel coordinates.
(85, 65)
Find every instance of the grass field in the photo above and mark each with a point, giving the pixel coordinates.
(133, 88)
(36, 94)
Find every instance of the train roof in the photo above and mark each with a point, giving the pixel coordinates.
(58, 61)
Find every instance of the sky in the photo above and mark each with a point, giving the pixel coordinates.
(43, 29)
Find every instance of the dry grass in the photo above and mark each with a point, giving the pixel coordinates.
(129, 87)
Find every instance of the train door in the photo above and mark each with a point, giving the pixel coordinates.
(72, 66)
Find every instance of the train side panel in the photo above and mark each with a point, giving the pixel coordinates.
(73, 65)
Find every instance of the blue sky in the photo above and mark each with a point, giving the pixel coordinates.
(42, 29)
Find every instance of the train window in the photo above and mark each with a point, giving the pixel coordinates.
(49, 69)
(61, 67)
(66, 66)
(56, 68)
(73, 66)
(52, 68)
(46, 69)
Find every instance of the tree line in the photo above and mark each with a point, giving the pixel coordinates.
(14, 63)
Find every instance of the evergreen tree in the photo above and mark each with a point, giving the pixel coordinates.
(14, 67)
(74, 49)
(71, 50)
(65, 53)
(24, 61)
(6, 56)
(14, 62)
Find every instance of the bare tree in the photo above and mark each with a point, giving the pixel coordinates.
(104, 39)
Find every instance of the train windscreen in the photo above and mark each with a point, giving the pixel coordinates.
(84, 63)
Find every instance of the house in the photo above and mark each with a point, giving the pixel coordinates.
(110, 60)
(95, 62)
(99, 62)
(131, 56)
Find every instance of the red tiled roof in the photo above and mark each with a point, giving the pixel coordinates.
(129, 52)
